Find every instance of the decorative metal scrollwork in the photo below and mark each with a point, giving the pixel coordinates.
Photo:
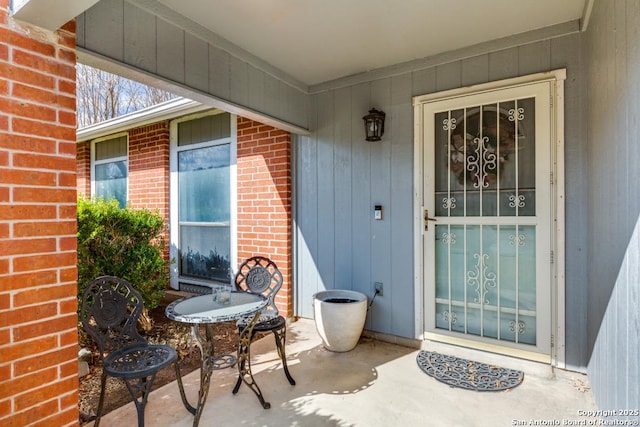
(481, 162)
(448, 238)
(521, 326)
(449, 124)
(258, 279)
(517, 239)
(516, 201)
(113, 309)
(449, 202)
(516, 114)
(480, 149)
(481, 278)
(450, 317)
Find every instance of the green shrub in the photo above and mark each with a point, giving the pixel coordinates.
(124, 243)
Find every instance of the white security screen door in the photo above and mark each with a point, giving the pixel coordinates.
(487, 217)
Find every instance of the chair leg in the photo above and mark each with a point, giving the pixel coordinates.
(142, 386)
(103, 383)
(244, 363)
(280, 336)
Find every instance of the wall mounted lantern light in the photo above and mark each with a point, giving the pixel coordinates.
(374, 125)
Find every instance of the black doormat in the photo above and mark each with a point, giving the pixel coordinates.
(468, 374)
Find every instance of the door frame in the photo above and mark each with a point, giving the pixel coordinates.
(556, 79)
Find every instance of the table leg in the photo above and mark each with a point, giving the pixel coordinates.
(207, 360)
(244, 362)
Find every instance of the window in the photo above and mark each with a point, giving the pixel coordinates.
(109, 169)
(203, 168)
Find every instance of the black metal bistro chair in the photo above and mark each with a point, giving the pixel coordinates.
(109, 314)
(260, 275)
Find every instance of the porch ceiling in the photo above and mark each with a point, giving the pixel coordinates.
(318, 41)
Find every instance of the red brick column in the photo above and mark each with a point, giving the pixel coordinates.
(38, 322)
(264, 200)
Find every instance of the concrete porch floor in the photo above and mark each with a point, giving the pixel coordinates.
(376, 384)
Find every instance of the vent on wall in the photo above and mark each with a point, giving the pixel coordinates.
(195, 289)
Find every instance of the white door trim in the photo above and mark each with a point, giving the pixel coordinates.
(556, 79)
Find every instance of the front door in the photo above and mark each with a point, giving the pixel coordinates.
(487, 218)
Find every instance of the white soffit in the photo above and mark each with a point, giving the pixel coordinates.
(317, 41)
(49, 14)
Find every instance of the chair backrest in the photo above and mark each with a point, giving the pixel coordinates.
(109, 313)
(260, 275)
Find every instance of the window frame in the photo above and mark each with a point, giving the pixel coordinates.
(174, 201)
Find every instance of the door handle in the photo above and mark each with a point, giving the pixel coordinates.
(427, 219)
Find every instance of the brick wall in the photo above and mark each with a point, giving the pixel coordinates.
(264, 199)
(148, 167)
(149, 171)
(83, 170)
(38, 323)
(264, 188)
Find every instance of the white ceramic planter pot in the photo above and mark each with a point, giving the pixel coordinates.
(339, 316)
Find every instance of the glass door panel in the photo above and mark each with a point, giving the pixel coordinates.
(485, 278)
(485, 160)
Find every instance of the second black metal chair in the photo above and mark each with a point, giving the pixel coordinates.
(260, 275)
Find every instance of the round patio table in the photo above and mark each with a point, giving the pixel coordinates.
(203, 310)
